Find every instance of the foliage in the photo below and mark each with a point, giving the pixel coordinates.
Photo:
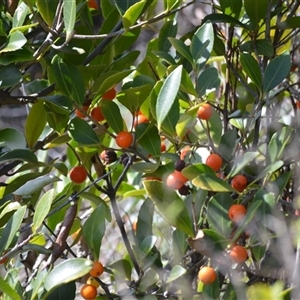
(151, 239)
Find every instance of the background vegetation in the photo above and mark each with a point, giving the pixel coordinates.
(60, 58)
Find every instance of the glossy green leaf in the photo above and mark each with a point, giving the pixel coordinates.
(241, 162)
(94, 228)
(194, 170)
(133, 13)
(20, 15)
(228, 144)
(15, 41)
(187, 85)
(208, 80)
(148, 137)
(82, 132)
(252, 69)
(210, 182)
(202, 44)
(47, 9)
(256, 10)
(112, 115)
(169, 205)
(19, 55)
(291, 22)
(231, 7)
(176, 272)
(167, 95)
(42, 209)
(125, 61)
(36, 184)
(69, 12)
(219, 46)
(11, 228)
(67, 271)
(165, 56)
(35, 126)
(145, 167)
(60, 140)
(24, 155)
(181, 48)
(263, 47)
(167, 31)
(144, 221)
(217, 213)
(223, 18)
(12, 139)
(134, 97)
(66, 291)
(9, 76)
(57, 117)
(7, 290)
(276, 71)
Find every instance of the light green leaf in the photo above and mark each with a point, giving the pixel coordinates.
(8, 290)
(12, 139)
(15, 41)
(133, 13)
(210, 182)
(69, 11)
(176, 272)
(168, 95)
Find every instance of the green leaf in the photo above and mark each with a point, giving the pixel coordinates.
(147, 244)
(122, 268)
(176, 272)
(36, 184)
(210, 182)
(34, 126)
(208, 80)
(228, 144)
(150, 277)
(47, 9)
(289, 23)
(133, 13)
(241, 162)
(8, 290)
(82, 132)
(12, 139)
(167, 31)
(256, 11)
(194, 170)
(69, 11)
(223, 18)
(42, 208)
(112, 115)
(167, 95)
(217, 213)
(250, 65)
(67, 271)
(15, 56)
(145, 167)
(24, 155)
(169, 205)
(9, 76)
(59, 100)
(148, 137)
(263, 47)
(276, 71)
(181, 48)
(15, 41)
(66, 291)
(144, 221)
(20, 15)
(122, 6)
(11, 228)
(231, 7)
(94, 228)
(202, 44)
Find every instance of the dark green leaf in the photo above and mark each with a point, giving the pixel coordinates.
(181, 48)
(47, 9)
(64, 292)
(262, 47)
(256, 11)
(82, 132)
(168, 30)
(208, 80)
(67, 271)
(169, 205)
(15, 56)
(231, 7)
(229, 141)
(202, 44)
(167, 95)
(291, 22)
(223, 18)
(252, 69)
(148, 137)
(9, 75)
(112, 115)
(35, 126)
(12, 139)
(60, 101)
(94, 228)
(24, 155)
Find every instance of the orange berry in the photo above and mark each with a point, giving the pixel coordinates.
(237, 212)
(238, 254)
(205, 111)
(239, 182)
(79, 114)
(3, 260)
(176, 180)
(124, 139)
(163, 147)
(96, 114)
(110, 94)
(97, 269)
(298, 104)
(78, 174)
(214, 161)
(93, 4)
(139, 119)
(184, 151)
(88, 292)
(207, 275)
